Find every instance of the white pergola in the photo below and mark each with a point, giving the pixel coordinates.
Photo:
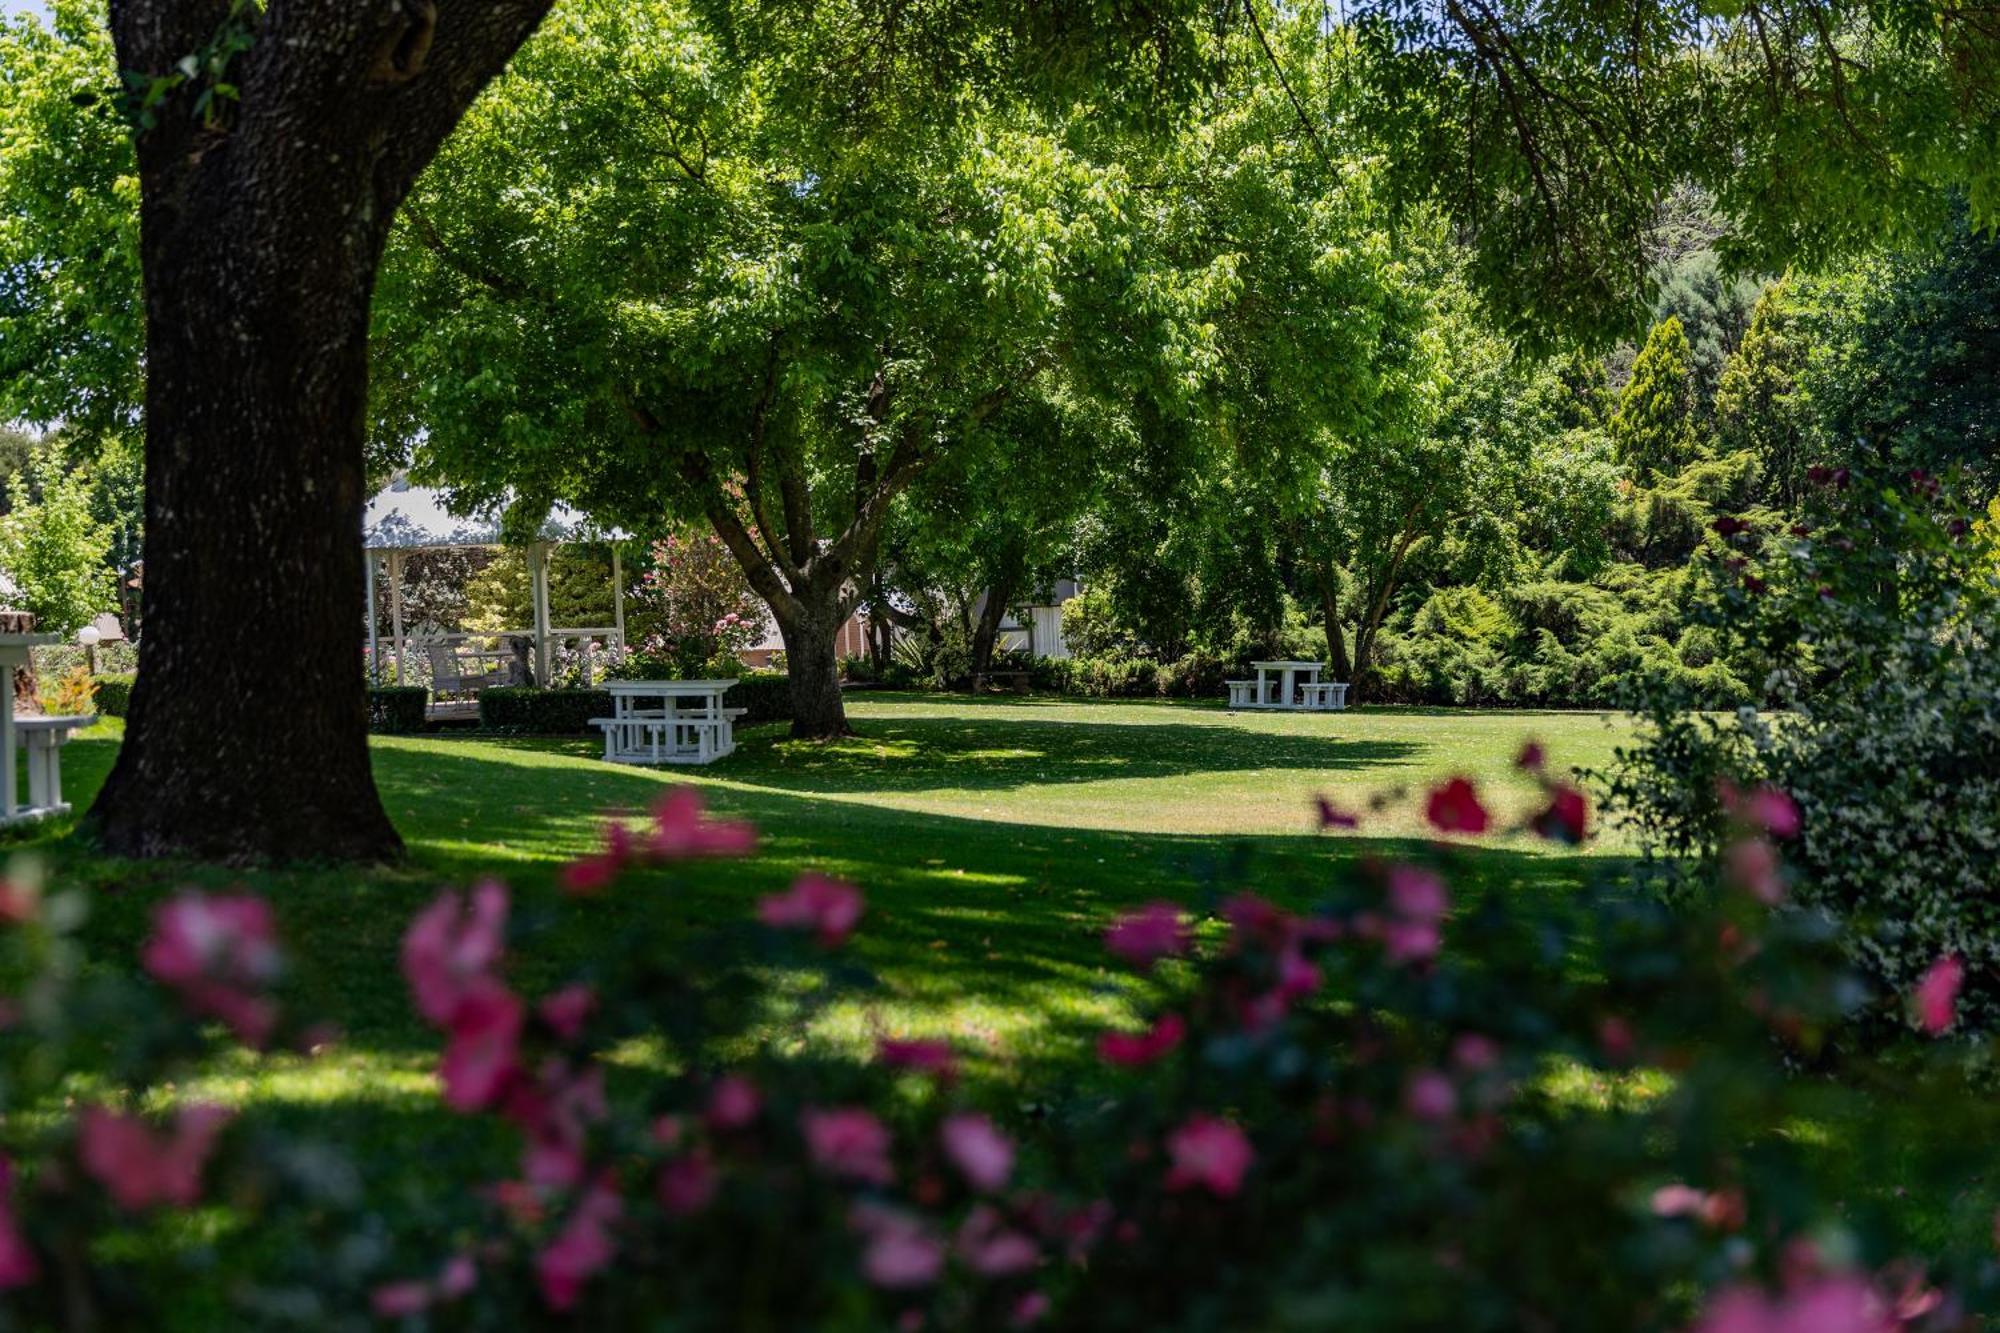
(405, 518)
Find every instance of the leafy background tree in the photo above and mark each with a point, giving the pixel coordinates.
(53, 549)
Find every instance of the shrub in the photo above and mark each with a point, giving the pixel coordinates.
(114, 695)
(1333, 1118)
(70, 694)
(1876, 626)
(532, 712)
(523, 710)
(397, 709)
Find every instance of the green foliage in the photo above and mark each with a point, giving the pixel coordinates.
(1758, 408)
(396, 709)
(1714, 312)
(1654, 427)
(1874, 629)
(54, 550)
(114, 694)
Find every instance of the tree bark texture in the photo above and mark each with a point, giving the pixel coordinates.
(262, 226)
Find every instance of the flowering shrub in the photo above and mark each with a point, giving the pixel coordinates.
(1876, 620)
(1401, 1107)
(709, 613)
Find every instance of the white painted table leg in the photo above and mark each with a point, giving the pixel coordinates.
(9, 806)
(39, 750)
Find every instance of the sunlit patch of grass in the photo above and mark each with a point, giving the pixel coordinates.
(1587, 1088)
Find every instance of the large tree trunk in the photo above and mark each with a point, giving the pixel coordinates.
(261, 234)
(1336, 637)
(986, 633)
(814, 667)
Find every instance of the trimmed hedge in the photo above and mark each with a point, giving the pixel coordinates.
(114, 694)
(527, 711)
(397, 709)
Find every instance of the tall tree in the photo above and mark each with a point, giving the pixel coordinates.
(1654, 427)
(660, 274)
(1758, 407)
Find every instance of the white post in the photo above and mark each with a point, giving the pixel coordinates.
(538, 569)
(374, 639)
(396, 610)
(9, 807)
(617, 597)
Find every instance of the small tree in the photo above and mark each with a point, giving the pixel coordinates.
(1654, 424)
(53, 549)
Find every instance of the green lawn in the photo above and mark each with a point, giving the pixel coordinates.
(993, 838)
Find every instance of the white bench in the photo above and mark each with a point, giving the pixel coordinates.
(1323, 695)
(656, 736)
(43, 738)
(1243, 693)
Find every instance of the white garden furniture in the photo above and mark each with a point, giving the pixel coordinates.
(1297, 686)
(43, 738)
(668, 722)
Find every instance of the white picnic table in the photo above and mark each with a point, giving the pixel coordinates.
(668, 721)
(1297, 686)
(43, 737)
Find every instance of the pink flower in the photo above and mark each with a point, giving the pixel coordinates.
(1150, 933)
(991, 1248)
(582, 1248)
(1332, 816)
(1721, 1211)
(1410, 941)
(1531, 757)
(220, 953)
(925, 1057)
(1831, 1303)
(1476, 1052)
(1430, 1095)
(1416, 894)
(483, 1049)
(733, 1103)
(398, 1300)
(816, 903)
(982, 1154)
(1454, 808)
(849, 1143)
(566, 1010)
(555, 1112)
(1142, 1048)
(1297, 978)
(1766, 808)
(1937, 994)
(1615, 1037)
(140, 1168)
(1029, 1310)
(900, 1251)
(19, 1265)
(1210, 1153)
(680, 830)
(1567, 817)
(454, 943)
(687, 1184)
(1752, 865)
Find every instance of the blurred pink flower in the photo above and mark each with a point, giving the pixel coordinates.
(817, 903)
(483, 1047)
(1029, 1310)
(1567, 816)
(687, 1184)
(581, 1248)
(900, 1252)
(680, 830)
(453, 944)
(982, 1154)
(1774, 811)
(1752, 865)
(221, 954)
(19, 1265)
(1417, 894)
(1144, 936)
(1430, 1095)
(848, 1142)
(1830, 1303)
(1453, 807)
(1410, 941)
(1531, 758)
(1475, 1051)
(1142, 1048)
(991, 1248)
(399, 1300)
(566, 1010)
(733, 1103)
(1332, 816)
(922, 1055)
(1208, 1152)
(1937, 994)
(139, 1167)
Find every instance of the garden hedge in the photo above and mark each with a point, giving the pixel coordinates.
(114, 695)
(397, 709)
(529, 711)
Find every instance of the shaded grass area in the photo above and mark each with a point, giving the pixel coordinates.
(994, 839)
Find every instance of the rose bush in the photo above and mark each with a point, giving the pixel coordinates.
(1393, 1106)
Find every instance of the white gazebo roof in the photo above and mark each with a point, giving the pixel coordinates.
(406, 518)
